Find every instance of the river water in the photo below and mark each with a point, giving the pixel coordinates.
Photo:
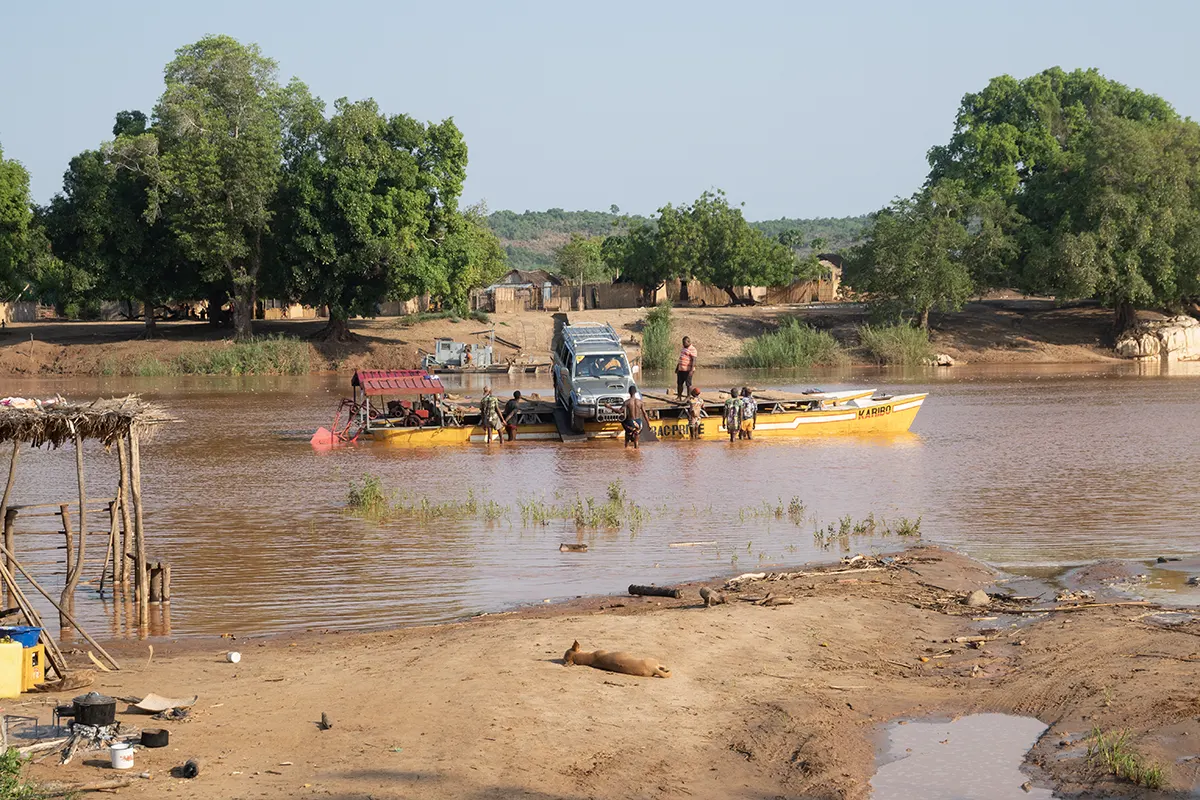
(1025, 467)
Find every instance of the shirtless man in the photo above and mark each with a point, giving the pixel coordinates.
(634, 413)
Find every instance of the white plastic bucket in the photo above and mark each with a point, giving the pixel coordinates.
(121, 754)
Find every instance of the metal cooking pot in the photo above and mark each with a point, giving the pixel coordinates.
(95, 709)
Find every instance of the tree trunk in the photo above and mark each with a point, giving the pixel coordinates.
(148, 313)
(337, 329)
(242, 307)
(924, 319)
(733, 298)
(1125, 318)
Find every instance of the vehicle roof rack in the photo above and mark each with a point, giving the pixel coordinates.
(591, 333)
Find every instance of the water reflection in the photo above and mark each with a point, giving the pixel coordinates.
(1038, 465)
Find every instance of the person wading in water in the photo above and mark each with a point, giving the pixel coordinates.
(695, 412)
(749, 412)
(489, 416)
(733, 413)
(510, 415)
(634, 412)
(685, 368)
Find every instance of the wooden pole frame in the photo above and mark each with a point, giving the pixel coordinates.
(75, 566)
(139, 534)
(121, 564)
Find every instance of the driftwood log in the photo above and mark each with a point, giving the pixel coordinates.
(711, 597)
(566, 547)
(655, 591)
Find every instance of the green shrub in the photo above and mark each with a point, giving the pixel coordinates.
(368, 499)
(262, 355)
(1113, 752)
(901, 344)
(11, 785)
(793, 345)
(658, 340)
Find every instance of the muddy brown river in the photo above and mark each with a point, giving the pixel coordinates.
(1026, 467)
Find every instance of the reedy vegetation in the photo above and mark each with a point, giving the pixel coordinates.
(658, 338)
(900, 344)
(794, 344)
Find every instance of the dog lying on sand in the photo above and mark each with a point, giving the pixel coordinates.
(617, 661)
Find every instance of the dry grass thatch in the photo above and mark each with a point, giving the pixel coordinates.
(103, 420)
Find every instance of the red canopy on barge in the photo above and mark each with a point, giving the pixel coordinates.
(397, 382)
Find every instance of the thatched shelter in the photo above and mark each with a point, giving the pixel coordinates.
(123, 422)
(58, 421)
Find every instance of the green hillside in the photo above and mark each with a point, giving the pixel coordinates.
(531, 238)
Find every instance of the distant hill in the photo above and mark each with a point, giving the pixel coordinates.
(532, 237)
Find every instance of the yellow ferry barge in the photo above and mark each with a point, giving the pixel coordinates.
(410, 408)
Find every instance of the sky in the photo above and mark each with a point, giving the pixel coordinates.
(795, 109)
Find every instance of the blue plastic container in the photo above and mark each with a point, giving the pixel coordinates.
(25, 634)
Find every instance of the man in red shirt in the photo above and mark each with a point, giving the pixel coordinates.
(684, 369)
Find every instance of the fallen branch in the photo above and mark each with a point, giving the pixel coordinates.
(690, 544)
(66, 790)
(49, 744)
(785, 576)
(655, 591)
(745, 577)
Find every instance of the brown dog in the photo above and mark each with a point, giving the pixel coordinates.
(617, 661)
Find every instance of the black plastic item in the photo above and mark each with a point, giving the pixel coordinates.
(95, 709)
(155, 737)
(65, 711)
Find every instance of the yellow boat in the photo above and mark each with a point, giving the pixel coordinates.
(427, 418)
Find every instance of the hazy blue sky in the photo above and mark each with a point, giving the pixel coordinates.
(795, 109)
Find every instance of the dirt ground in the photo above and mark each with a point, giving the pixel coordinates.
(994, 331)
(764, 702)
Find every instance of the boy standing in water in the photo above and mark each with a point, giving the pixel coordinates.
(695, 411)
(634, 412)
(749, 412)
(733, 413)
(510, 415)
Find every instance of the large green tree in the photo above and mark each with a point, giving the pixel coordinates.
(916, 255)
(368, 209)
(1062, 158)
(581, 260)
(104, 223)
(1121, 222)
(635, 256)
(219, 128)
(709, 240)
(15, 217)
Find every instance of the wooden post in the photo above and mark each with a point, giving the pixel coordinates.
(122, 563)
(166, 583)
(75, 567)
(8, 484)
(10, 523)
(110, 553)
(156, 583)
(139, 530)
(64, 511)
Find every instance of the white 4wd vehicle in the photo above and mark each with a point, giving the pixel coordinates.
(592, 374)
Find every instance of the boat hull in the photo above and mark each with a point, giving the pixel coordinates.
(895, 415)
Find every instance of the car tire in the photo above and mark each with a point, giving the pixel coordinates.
(576, 420)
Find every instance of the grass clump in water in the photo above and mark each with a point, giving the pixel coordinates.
(369, 499)
(1113, 752)
(793, 345)
(658, 338)
(901, 344)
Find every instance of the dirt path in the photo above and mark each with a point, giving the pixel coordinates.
(763, 703)
(996, 331)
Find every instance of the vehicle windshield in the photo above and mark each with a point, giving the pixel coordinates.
(601, 365)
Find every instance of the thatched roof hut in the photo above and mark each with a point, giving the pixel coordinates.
(57, 422)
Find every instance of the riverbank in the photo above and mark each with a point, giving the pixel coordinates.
(994, 331)
(762, 702)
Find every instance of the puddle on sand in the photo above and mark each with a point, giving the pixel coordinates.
(977, 757)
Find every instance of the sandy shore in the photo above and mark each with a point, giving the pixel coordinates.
(996, 331)
(763, 702)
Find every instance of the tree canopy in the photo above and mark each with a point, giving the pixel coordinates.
(15, 219)
(1068, 183)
